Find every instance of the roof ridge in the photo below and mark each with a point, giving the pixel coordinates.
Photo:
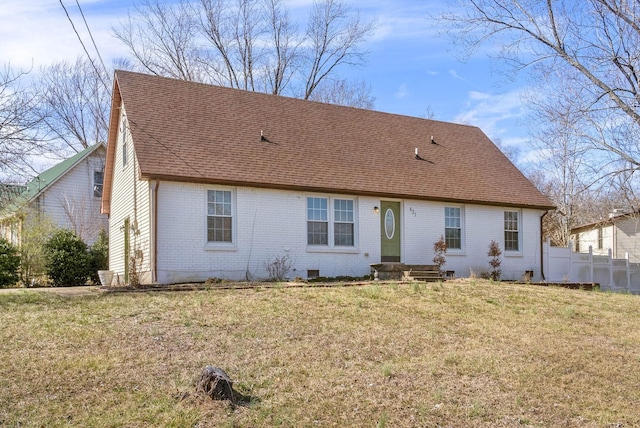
(193, 131)
(288, 97)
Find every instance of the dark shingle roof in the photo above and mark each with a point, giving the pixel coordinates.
(189, 131)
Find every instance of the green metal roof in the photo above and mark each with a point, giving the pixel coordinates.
(46, 178)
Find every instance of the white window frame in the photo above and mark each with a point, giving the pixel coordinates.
(232, 216)
(123, 143)
(337, 220)
(95, 185)
(318, 215)
(462, 228)
(518, 231)
(600, 238)
(331, 222)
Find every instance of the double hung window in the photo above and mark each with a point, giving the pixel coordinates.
(330, 222)
(317, 221)
(511, 231)
(219, 216)
(98, 181)
(600, 238)
(453, 227)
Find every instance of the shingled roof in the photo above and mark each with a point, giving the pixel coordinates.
(186, 131)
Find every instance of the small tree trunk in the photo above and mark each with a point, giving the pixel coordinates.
(216, 384)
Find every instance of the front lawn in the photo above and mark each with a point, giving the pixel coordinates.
(462, 353)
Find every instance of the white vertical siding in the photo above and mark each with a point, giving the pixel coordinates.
(130, 198)
(70, 203)
(590, 238)
(627, 238)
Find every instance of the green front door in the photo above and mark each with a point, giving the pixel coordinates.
(390, 231)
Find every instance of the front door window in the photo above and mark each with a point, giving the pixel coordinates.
(389, 223)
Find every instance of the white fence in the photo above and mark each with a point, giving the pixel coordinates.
(564, 265)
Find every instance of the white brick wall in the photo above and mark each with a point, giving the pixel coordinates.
(424, 224)
(272, 223)
(268, 224)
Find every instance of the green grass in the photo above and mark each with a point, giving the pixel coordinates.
(444, 354)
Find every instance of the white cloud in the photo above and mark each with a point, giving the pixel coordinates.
(402, 92)
(494, 114)
(37, 32)
(476, 96)
(535, 156)
(455, 75)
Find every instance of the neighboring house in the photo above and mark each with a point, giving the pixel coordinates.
(204, 181)
(620, 233)
(68, 195)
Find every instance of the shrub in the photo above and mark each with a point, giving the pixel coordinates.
(440, 251)
(67, 259)
(33, 260)
(494, 254)
(9, 264)
(99, 256)
(278, 267)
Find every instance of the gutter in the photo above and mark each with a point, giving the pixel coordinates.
(154, 244)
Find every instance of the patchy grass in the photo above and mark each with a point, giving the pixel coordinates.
(444, 354)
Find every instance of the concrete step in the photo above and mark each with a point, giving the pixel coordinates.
(397, 271)
(427, 276)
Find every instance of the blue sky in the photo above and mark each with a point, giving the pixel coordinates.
(410, 68)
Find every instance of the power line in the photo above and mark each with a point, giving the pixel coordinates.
(91, 36)
(85, 48)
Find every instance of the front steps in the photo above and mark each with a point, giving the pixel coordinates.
(402, 272)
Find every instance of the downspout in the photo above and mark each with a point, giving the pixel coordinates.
(542, 246)
(614, 238)
(154, 245)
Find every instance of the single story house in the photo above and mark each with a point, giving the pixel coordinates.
(619, 233)
(69, 195)
(204, 181)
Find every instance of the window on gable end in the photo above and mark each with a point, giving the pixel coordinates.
(123, 133)
(98, 181)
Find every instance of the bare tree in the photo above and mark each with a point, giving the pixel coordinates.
(335, 34)
(282, 65)
(74, 103)
(83, 217)
(234, 32)
(246, 44)
(344, 92)
(593, 46)
(162, 38)
(18, 125)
